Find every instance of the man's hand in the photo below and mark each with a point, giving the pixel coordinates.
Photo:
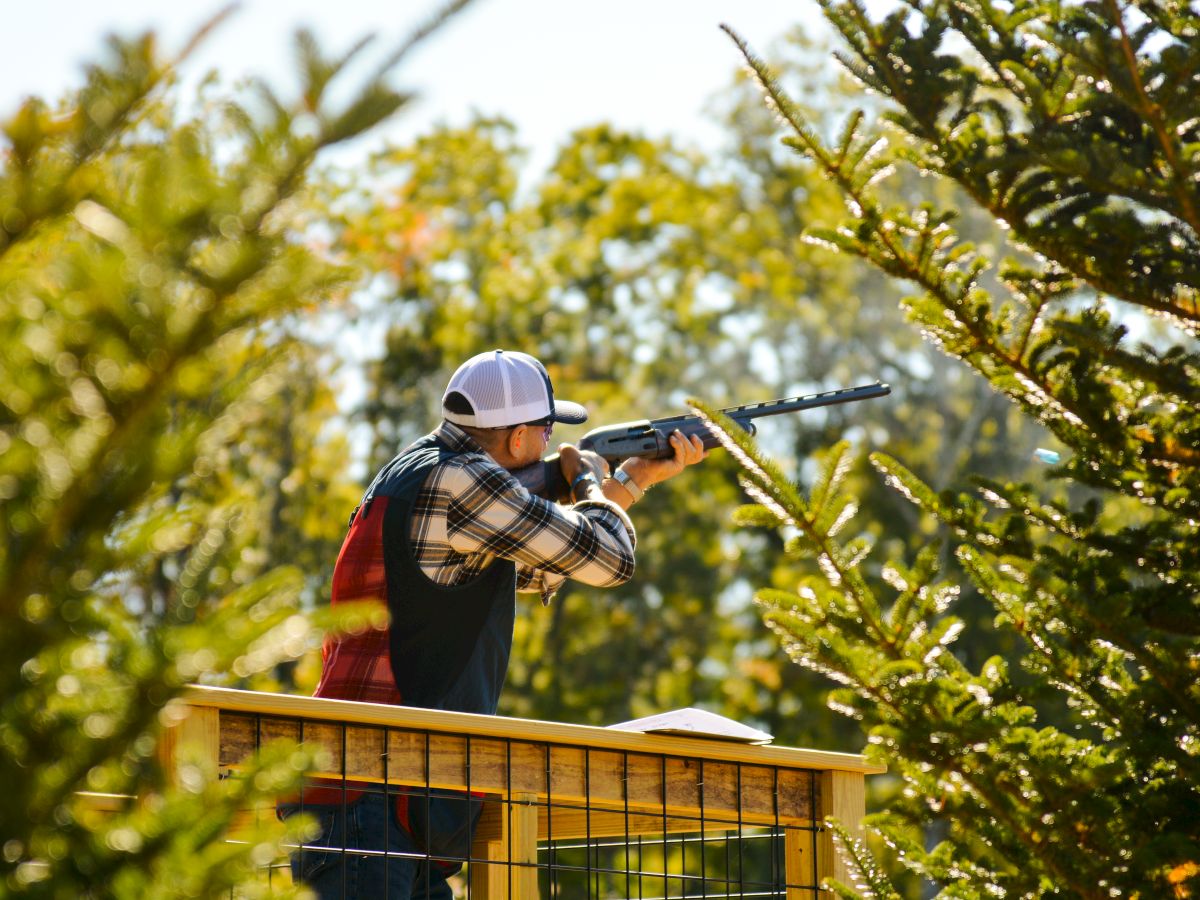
(643, 472)
(647, 472)
(572, 461)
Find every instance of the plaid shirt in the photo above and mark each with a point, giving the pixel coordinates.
(468, 512)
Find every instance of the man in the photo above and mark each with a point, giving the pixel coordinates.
(445, 536)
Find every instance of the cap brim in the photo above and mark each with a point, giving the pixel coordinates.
(569, 413)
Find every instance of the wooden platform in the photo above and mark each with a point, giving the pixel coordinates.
(548, 780)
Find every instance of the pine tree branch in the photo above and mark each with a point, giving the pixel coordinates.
(1048, 854)
(1085, 603)
(1122, 638)
(780, 103)
(200, 35)
(59, 198)
(762, 474)
(866, 870)
(423, 31)
(1112, 631)
(1035, 307)
(1153, 114)
(984, 783)
(897, 261)
(959, 168)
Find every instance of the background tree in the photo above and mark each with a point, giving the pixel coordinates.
(149, 282)
(1074, 127)
(642, 270)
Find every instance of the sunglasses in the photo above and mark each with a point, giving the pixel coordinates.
(547, 426)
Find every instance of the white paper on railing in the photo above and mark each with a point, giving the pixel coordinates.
(696, 723)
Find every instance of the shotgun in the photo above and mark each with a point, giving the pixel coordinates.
(650, 437)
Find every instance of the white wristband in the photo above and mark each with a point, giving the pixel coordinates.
(623, 478)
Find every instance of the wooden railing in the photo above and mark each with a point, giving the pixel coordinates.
(571, 806)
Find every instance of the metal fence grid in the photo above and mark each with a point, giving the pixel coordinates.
(564, 820)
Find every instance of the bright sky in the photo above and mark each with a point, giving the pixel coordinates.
(550, 65)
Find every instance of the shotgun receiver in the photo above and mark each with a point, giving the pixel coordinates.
(650, 437)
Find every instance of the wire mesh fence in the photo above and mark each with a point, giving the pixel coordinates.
(745, 863)
(498, 817)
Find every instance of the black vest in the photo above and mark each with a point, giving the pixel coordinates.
(449, 645)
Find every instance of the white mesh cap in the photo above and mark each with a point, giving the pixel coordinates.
(506, 388)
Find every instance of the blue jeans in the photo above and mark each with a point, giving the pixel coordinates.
(368, 823)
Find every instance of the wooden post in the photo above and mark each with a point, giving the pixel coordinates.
(200, 733)
(523, 819)
(488, 853)
(505, 867)
(797, 862)
(843, 796)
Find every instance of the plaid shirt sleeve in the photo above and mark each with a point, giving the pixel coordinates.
(546, 581)
(470, 511)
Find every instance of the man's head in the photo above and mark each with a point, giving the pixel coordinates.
(505, 400)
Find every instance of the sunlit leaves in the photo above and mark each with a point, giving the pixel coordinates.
(152, 447)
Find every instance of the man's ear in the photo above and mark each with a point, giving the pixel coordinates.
(516, 439)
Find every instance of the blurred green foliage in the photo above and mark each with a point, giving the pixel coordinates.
(163, 460)
(1069, 766)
